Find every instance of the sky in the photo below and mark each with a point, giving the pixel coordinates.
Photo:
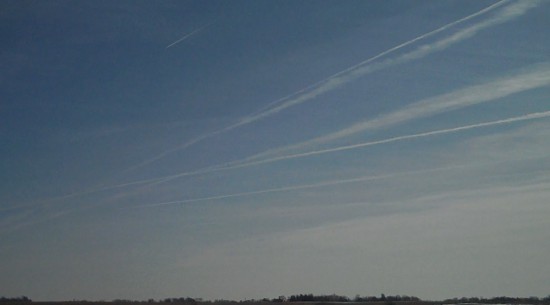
(249, 149)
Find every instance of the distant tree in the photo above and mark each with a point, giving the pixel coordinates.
(280, 299)
(21, 299)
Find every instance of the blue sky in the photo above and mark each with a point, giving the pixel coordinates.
(247, 149)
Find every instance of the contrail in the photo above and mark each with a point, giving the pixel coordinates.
(527, 117)
(502, 87)
(152, 181)
(188, 35)
(172, 150)
(83, 193)
(534, 77)
(330, 83)
(143, 182)
(532, 116)
(296, 187)
(340, 78)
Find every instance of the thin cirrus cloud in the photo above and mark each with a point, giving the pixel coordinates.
(297, 187)
(365, 67)
(536, 77)
(337, 80)
(188, 35)
(532, 78)
(527, 117)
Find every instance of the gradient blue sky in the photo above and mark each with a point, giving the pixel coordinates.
(246, 149)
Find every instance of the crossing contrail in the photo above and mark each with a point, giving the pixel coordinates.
(296, 187)
(540, 76)
(532, 116)
(349, 74)
(339, 79)
(236, 165)
(536, 77)
(532, 78)
(186, 36)
(305, 94)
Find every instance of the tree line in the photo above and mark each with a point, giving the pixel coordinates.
(22, 299)
(499, 300)
(387, 300)
(357, 298)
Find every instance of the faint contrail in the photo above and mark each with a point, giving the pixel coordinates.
(295, 187)
(235, 165)
(502, 87)
(328, 84)
(532, 116)
(340, 78)
(83, 193)
(308, 93)
(535, 77)
(188, 35)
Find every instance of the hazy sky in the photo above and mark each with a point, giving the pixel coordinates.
(247, 149)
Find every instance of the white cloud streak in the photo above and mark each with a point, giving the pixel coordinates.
(296, 187)
(337, 80)
(536, 77)
(333, 82)
(345, 76)
(527, 117)
(236, 165)
(186, 36)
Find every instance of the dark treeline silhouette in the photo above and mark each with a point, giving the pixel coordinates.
(317, 298)
(180, 300)
(333, 298)
(358, 298)
(22, 299)
(499, 300)
(389, 298)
